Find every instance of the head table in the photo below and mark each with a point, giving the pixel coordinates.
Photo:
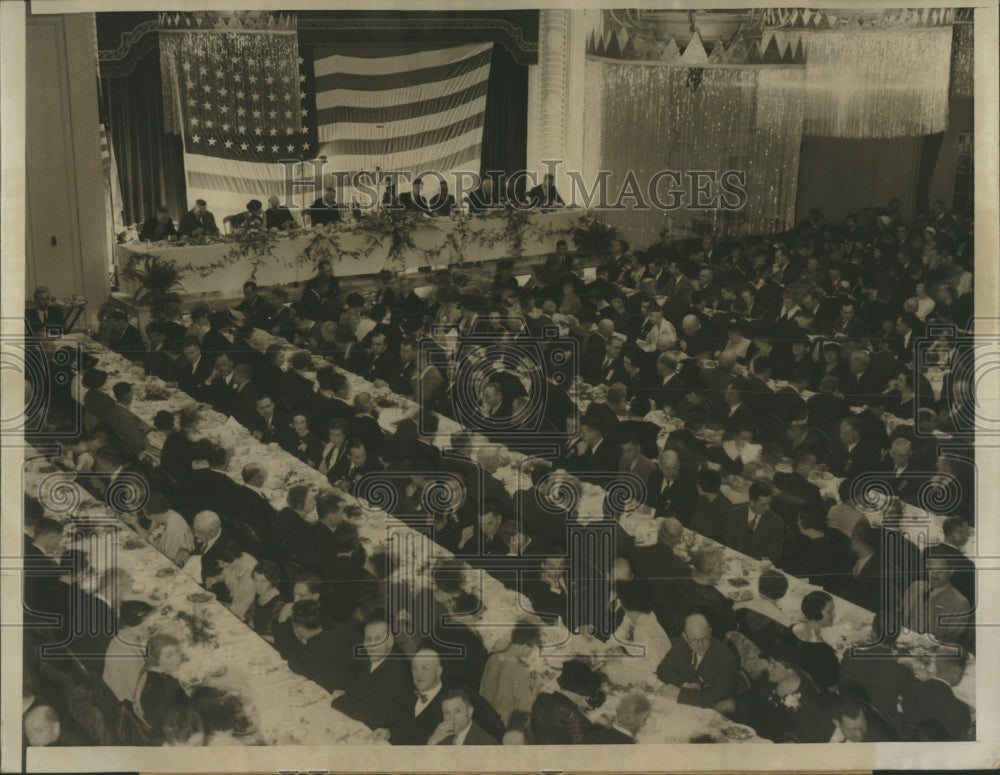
(306, 717)
(292, 257)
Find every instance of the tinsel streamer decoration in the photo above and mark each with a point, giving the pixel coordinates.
(653, 122)
(245, 49)
(875, 83)
(963, 65)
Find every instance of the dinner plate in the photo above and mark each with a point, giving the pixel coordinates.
(734, 731)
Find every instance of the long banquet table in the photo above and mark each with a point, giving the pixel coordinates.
(208, 269)
(226, 654)
(501, 606)
(852, 623)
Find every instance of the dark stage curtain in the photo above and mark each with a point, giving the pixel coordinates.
(150, 162)
(505, 131)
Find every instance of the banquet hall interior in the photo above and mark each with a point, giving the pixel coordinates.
(525, 377)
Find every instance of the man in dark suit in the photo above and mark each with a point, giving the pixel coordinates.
(325, 209)
(191, 370)
(630, 716)
(869, 583)
(594, 457)
(257, 310)
(545, 194)
(277, 217)
(424, 714)
(699, 668)
(858, 722)
(326, 656)
(244, 404)
(738, 413)
(252, 506)
(270, 423)
(220, 388)
(198, 221)
(124, 338)
(934, 699)
(382, 364)
(862, 385)
(44, 314)
(214, 489)
(401, 381)
(443, 202)
(671, 492)
(158, 227)
(754, 529)
(851, 456)
(413, 200)
(157, 360)
(374, 698)
(457, 726)
(956, 536)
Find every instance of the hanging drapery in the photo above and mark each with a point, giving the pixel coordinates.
(876, 83)
(151, 162)
(656, 118)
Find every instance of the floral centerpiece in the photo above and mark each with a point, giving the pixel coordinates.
(395, 225)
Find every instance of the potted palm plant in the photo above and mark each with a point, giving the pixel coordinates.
(156, 278)
(593, 237)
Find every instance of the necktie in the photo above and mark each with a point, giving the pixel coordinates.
(607, 364)
(450, 740)
(331, 456)
(421, 697)
(754, 521)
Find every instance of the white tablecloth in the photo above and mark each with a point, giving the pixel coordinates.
(288, 264)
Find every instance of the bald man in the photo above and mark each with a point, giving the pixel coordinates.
(41, 726)
(672, 491)
(694, 340)
(417, 726)
(207, 530)
(699, 669)
(902, 477)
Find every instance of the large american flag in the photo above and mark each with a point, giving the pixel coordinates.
(246, 101)
(408, 106)
(243, 105)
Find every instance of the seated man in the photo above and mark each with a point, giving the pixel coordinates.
(326, 654)
(858, 722)
(44, 314)
(326, 209)
(699, 669)
(935, 699)
(198, 221)
(457, 727)
(158, 227)
(277, 217)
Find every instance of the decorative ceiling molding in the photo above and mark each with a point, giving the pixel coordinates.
(134, 45)
(143, 38)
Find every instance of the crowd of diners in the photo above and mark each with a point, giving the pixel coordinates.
(781, 357)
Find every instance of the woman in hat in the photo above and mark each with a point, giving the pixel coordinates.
(558, 718)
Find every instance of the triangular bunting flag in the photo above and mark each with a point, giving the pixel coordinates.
(613, 51)
(672, 52)
(772, 56)
(695, 54)
(800, 56)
